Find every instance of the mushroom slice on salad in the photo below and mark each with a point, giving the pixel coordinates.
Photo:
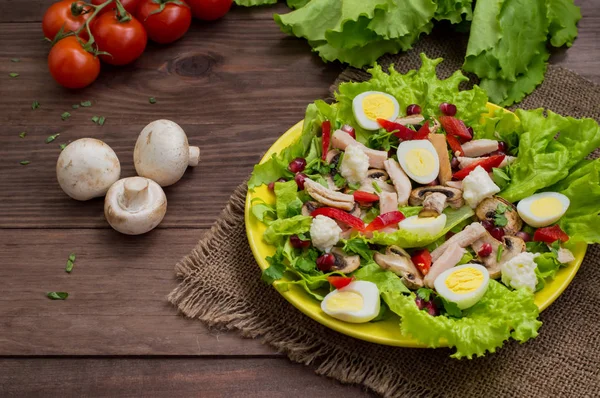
(328, 197)
(398, 261)
(309, 206)
(435, 199)
(500, 212)
(343, 262)
(501, 252)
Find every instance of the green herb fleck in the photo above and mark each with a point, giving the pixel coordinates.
(62, 146)
(86, 104)
(500, 251)
(65, 115)
(501, 209)
(451, 308)
(500, 219)
(24, 162)
(95, 119)
(15, 60)
(13, 74)
(354, 187)
(424, 293)
(35, 105)
(152, 100)
(339, 181)
(22, 134)
(101, 120)
(57, 295)
(75, 106)
(377, 187)
(52, 138)
(70, 263)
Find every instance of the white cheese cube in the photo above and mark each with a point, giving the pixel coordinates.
(478, 186)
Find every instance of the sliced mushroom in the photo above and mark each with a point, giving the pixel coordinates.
(441, 148)
(343, 262)
(464, 238)
(333, 156)
(400, 180)
(327, 196)
(434, 206)
(378, 174)
(486, 210)
(331, 184)
(309, 207)
(398, 261)
(410, 120)
(512, 246)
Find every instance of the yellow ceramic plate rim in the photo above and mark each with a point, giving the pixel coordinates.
(385, 332)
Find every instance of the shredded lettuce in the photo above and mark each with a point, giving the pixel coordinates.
(386, 281)
(499, 315)
(287, 202)
(281, 228)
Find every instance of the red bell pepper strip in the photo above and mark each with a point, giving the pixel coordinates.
(423, 132)
(550, 235)
(385, 219)
(400, 131)
(487, 163)
(455, 127)
(365, 197)
(422, 260)
(325, 137)
(454, 145)
(340, 215)
(340, 281)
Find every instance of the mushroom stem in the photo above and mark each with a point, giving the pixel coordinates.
(194, 157)
(135, 194)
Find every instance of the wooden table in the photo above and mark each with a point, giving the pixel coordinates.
(234, 86)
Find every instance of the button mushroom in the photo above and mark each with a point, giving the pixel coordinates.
(162, 152)
(343, 262)
(435, 199)
(87, 168)
(486, 210)
(135, 205)
(398, 261)
(310, 206)
(511, 247)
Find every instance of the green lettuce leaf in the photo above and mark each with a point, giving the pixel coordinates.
(454, 10)
(295, 4)
(264, 212)
(406, 239)
(386, 281)
(498, 316)
(563, 16)
(287, 202)
(281, 228)
(402, 18)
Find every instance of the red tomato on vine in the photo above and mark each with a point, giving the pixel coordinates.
(209, 10)
(124, 38)
(164, 20)
(59, 14)
(71, 65)
(129, 5)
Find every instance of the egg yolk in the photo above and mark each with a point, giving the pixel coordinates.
(377, 106)
(547, 206)
(465, 280)
(420, 162)
(345, 301)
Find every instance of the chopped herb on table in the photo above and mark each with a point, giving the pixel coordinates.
(24, 162)
(152, 100)
(62, 146)
(86, 104)
(35, 105)
(22, 134)
(52, 138)
(75, 106)
(99, 120)
(13, 74)
(65, 115)
(57, 295)
(70, 263)
(15, 60)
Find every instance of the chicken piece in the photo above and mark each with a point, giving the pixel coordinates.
(340, 140)
(400, 180)
(433, 205)
(464, 161)
(447, 260)
(564, 256)
(454, 184)
(439, 143)
(388, 201)
(410, 120)
(464, 238)
(479, 147)
(367, 185)
(328, 197)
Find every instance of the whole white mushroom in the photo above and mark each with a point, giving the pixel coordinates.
(135, 205)
(162, 152)
(87, 168)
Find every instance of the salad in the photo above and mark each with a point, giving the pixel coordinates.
(409, 196)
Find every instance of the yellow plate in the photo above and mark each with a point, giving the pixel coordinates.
(387, 331)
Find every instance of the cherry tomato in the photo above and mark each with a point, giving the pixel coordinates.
(124, 41)
(209, 10)
(129, 5)
(167, 25)
(72, 66)
(59, 14)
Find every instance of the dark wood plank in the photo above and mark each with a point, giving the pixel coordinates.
(205, 378)
(117, 303)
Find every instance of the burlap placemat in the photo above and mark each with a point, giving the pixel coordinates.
(221, 286)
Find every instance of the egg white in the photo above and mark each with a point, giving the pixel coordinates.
(524, 208)
(406, 147)
(465, 300)
(424, 225)
(369, 310)
(359, 112)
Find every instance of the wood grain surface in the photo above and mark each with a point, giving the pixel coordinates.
(234, 85)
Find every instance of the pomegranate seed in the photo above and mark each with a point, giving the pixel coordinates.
(486, 250)
(298, 243)
(454, 163)
(431, 309)
(470, 130)
(523, 235)
(488, 225)
(497, 233)
(350, 130)
(420, 302)
(300, 178)
(449, 234)
(448, 109)
(272, 184)
(326, 262)
(297, 165)
(502, 146)
(413, 109)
